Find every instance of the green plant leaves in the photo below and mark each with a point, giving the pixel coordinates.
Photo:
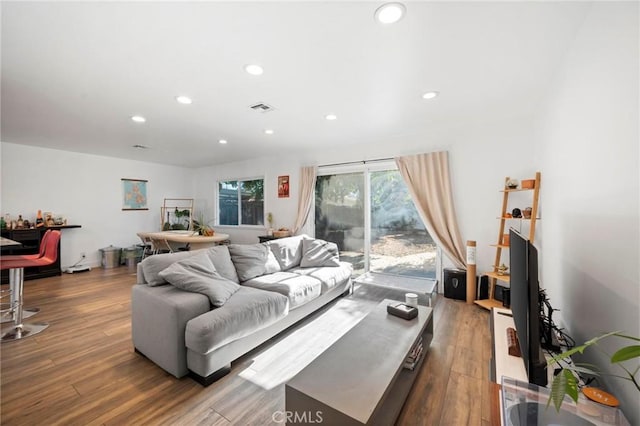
(563, 384)
(626, 353)
(580, 348)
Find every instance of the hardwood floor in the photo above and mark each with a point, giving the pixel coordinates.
(82, 370)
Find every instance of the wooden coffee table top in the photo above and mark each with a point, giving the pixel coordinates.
(355, 373)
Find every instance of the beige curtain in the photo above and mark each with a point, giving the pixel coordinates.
(427, 177)
(305, 195)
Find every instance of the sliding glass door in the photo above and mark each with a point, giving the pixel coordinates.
(340, 215)
(399, 242)
(367, 211)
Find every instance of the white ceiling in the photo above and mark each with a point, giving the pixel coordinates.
(73, 73)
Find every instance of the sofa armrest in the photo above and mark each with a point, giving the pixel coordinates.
(159, 317)
(140, 274)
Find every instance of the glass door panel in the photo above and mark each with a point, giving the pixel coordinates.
(399, 242)
(339, 215)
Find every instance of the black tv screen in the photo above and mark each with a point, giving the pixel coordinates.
(523, 259)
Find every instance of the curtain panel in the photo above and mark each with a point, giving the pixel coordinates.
(305, 195)
(427, 177)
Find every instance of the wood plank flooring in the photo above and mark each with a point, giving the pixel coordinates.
(82, 370)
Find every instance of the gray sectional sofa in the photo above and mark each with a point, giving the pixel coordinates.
(195, 312)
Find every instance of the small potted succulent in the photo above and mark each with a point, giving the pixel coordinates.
(270, 220)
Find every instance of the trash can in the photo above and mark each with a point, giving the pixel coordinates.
(110, 257)
(455, 284)
(131, 256)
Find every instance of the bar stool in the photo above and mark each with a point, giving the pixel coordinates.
(8, 315)
(16, 278)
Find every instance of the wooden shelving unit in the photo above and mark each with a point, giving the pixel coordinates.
(170, 205)
(500, 245)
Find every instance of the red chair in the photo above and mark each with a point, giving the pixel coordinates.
(16, 265)
(8, 315)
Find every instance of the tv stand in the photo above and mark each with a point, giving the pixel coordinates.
(503, 364)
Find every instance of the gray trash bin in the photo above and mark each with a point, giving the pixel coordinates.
(131, 256)
(110, 257)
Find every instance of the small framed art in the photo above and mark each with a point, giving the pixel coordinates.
(283, 186)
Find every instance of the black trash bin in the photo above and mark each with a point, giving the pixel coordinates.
(455, 283)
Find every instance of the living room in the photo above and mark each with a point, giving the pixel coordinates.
(549, 87)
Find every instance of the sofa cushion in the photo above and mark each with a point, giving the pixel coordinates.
(299, 289)
(329, 277)
(252, 260)
(198, 275)
(316, 253)
(153, 265)
(247, 311)
(288, 251)
(222, 262)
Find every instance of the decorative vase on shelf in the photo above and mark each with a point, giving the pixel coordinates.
(39, 220)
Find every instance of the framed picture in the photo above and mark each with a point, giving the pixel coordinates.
(134, 194)
(283, 186)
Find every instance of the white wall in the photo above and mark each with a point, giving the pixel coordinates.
(589, 151)
(283, 209)
(481, 155)
(86, 189)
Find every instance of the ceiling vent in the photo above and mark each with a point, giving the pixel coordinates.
(261, 107)
(136, 146)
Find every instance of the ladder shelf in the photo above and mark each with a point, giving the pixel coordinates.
(501, 244)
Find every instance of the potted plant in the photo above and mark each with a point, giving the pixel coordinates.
(202, 227)
(181, 216)
(565, 383)
(270, 220)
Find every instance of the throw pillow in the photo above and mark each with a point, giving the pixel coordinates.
(287, 251)
(252, 260)
(316, 253)
(153, 265)
(198, 275)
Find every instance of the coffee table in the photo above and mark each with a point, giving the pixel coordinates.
(360, 379)
(424, 287)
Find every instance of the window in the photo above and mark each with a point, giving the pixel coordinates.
(241, 202)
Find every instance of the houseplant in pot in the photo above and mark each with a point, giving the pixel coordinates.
(202, 227)
(565, 382)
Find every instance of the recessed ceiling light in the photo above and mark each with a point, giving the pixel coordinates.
(331, 116)
(222, 141)
(138, 119)
(253, 69)
(430, 95)
(268, 131)
(184, 100)
(390, 13)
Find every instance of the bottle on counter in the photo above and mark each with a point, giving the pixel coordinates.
(39, 220)
(20, 222)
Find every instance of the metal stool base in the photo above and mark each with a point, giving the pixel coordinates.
(26, 313)
(27, 330)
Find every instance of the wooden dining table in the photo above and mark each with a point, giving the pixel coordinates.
(195, 241)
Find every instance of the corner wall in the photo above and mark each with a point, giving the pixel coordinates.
(588, 131)
(86, 189)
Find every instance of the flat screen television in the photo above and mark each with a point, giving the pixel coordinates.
(523, 258)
